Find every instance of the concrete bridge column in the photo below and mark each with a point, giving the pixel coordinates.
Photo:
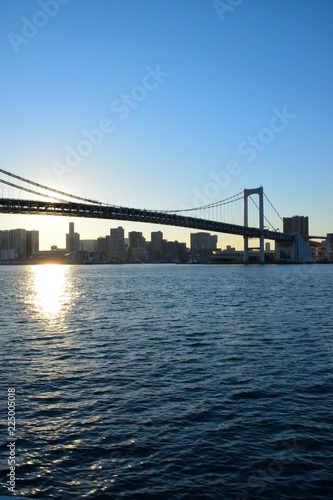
(260, 192)
(328, 249)
(246, 238)
(261, 225)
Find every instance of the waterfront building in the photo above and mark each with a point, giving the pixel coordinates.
(4, 240)
(72, 240)
(136, 240)
(101, 247)
(7, 254)
(173, 251)
(117, 244)
(203, 244)
(139, 254)
(155, 246)
(296, 224)
(18, 243)
(32, 242)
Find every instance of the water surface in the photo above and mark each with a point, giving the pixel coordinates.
(169, 381)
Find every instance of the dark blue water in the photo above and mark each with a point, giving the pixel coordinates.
(169, 382)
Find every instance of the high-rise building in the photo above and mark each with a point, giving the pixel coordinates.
(156, 239)
(296, 224)
(101, 246)
(6, 253)
(32, 243)
(72, 239)
(173, 251)
(203, 243)
(18, 242)
(108, 245)
(155, 247)
(136, 240)
(4, 240)
(117, 244)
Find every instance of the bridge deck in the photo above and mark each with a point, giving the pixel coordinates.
(70, 209)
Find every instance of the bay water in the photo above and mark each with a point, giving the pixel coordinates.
(168, 381)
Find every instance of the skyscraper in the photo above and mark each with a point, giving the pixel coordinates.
(18, 242)
(32, 242)
(72, 239)
(203, 243)
(155, 250)
(296, 224)
(117, 244)
(136, 241)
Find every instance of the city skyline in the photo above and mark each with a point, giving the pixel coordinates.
(116, 248)
(22, 245)
(108, 102)
(73, 239)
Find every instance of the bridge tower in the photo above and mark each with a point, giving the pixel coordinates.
(260, 192)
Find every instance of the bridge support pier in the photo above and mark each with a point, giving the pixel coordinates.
(246, 250)
(260, 192)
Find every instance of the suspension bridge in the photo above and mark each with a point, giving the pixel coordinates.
(210, 217)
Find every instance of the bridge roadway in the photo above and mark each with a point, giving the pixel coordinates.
(70, 209)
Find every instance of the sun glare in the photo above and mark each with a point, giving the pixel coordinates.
(51, 290)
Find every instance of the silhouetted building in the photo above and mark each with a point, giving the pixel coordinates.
(155, 246)
(117, 244)
(101, 247)
(203, 244)
(108, 245)
(4, 240)
(139, 254)
(296, 224)
(6, 253)
(136, 240)
(18, 242)
(173, 251)
(72, 240)
(157, 239)
(32, 242)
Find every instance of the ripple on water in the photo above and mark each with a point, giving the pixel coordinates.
(171, 381)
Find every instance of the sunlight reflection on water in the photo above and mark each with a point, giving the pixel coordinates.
(51, 294)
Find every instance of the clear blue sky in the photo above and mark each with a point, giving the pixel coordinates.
(180, 88)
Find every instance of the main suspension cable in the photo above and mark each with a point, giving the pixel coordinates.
(211, 205)
(31, 190)
(48, 188)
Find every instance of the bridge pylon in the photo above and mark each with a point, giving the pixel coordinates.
(260, 192)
